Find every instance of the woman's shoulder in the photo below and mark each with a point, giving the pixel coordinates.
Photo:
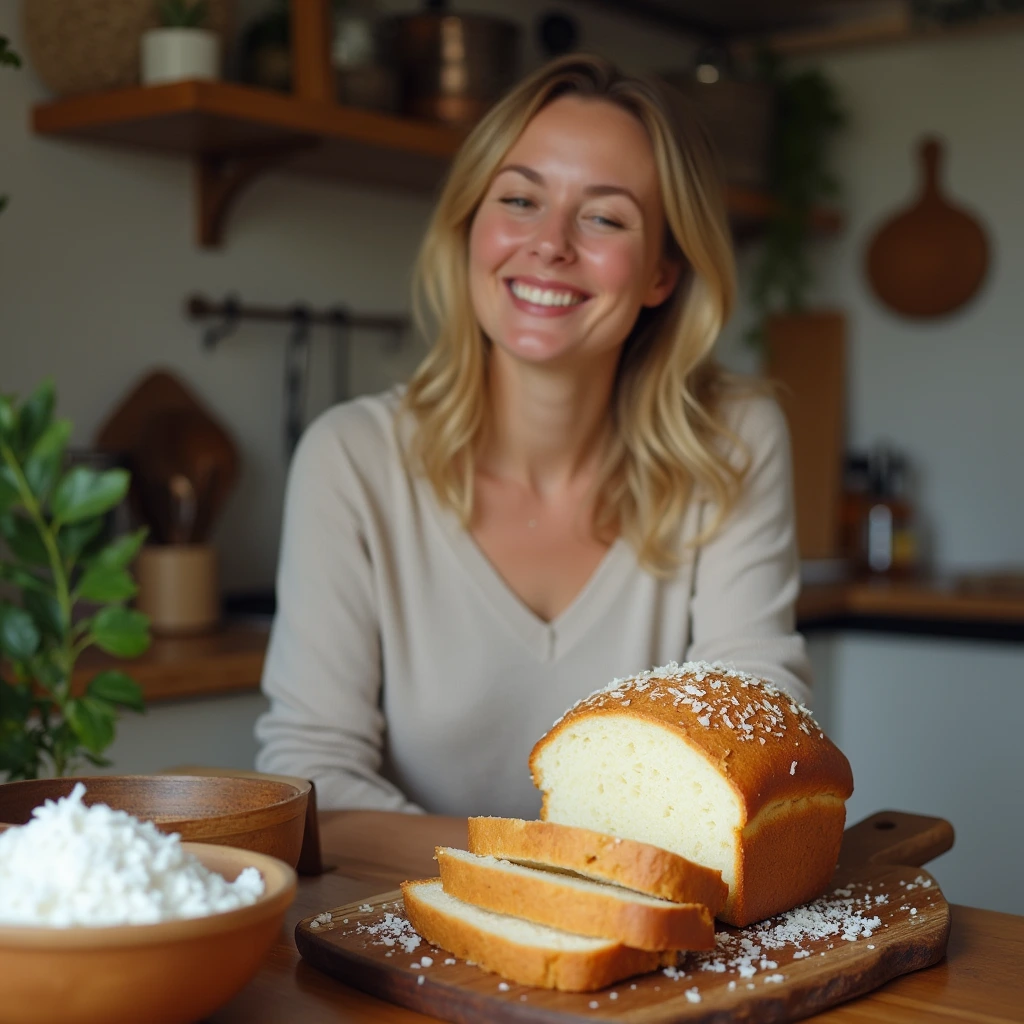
(750, 410)
(360, 434)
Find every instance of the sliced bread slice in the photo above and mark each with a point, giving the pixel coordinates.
(521, 951)
(575, 904)
(607, 858)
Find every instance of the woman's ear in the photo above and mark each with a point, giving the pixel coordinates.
(665, 280)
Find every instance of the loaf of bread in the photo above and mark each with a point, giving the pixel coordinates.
(605, 858)
(710, 763)
(574, 904)
(528, 953)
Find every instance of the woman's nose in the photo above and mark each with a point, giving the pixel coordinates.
(552, 242)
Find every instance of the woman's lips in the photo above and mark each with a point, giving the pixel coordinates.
(539, 299)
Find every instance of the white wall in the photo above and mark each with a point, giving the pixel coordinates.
(216, 732)
(948, 391)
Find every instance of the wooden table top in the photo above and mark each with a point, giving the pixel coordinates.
(981, 981)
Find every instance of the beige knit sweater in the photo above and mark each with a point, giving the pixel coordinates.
(404, 674)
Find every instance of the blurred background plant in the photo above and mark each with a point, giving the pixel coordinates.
(53, 520)
(808, 116)
(183, 13)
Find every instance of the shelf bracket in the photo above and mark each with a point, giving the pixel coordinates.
(222, 177)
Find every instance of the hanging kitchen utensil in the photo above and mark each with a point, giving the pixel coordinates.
(342, 336)
(932, 257)
(296, 374)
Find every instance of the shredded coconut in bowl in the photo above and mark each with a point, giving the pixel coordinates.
(75, 865)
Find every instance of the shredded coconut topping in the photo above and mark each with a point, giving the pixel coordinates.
(391, 930)
(717, 697)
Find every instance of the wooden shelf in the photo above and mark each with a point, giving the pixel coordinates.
(939, 607)
(875, 28)
(229, 660)
(234, 133)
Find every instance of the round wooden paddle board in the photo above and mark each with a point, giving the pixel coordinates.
(930, 258)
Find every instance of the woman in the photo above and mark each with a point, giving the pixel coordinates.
(568, 491)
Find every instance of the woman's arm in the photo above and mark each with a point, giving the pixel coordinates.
(748, 575)
(323, 667)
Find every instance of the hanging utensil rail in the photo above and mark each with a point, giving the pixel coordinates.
(232, 310)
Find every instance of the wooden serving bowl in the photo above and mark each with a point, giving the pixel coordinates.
(177, 972)
(261, 814)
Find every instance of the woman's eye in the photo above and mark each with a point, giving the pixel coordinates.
(605, 222)
(517, 202)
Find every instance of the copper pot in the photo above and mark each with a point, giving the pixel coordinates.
(452, 67)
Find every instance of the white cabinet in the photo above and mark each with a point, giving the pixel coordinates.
(935, 726)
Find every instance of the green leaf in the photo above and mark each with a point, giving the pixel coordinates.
(99, 583)
(117, 688)
(83, 493)
(95, 759)
(23, 539)
(74, 539)
(19, 756)
(19, 636)
(8, 417)
(120, 631)
(121, 553)
(44, 608)
(9, 493)
(15, 703)
(22, 578)
(92, 722)
(46, 459)
(36, 414)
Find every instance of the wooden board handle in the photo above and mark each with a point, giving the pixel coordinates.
(895, 837)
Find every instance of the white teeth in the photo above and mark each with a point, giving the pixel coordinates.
(544, 296)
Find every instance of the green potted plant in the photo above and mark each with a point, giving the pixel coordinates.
(70, 587)
(182, 47)
(808, 116)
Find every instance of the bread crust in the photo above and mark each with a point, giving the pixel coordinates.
(708, 707)
(788, 856)
(626, 862)
(568, 971)
(545, 898)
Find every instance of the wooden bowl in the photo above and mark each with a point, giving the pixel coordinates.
(259, 814)
(177, 972)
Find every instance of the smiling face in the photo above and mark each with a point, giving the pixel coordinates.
(567, 245)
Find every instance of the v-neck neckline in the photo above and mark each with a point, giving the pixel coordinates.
(547, 640)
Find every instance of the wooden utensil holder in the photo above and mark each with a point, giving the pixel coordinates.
(178, 587)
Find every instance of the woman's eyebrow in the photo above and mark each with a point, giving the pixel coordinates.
(591, 190)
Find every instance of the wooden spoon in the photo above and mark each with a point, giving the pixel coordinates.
(932, 257)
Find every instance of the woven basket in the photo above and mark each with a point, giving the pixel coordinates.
(78, 46)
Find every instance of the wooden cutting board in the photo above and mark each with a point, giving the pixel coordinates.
(879, 871)
(930, 258)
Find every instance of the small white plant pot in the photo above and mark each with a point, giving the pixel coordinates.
(177, 54)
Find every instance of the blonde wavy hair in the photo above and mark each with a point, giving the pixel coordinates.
(668, 438)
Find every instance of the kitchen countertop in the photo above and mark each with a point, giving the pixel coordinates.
(980, 980)
(230, 659)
